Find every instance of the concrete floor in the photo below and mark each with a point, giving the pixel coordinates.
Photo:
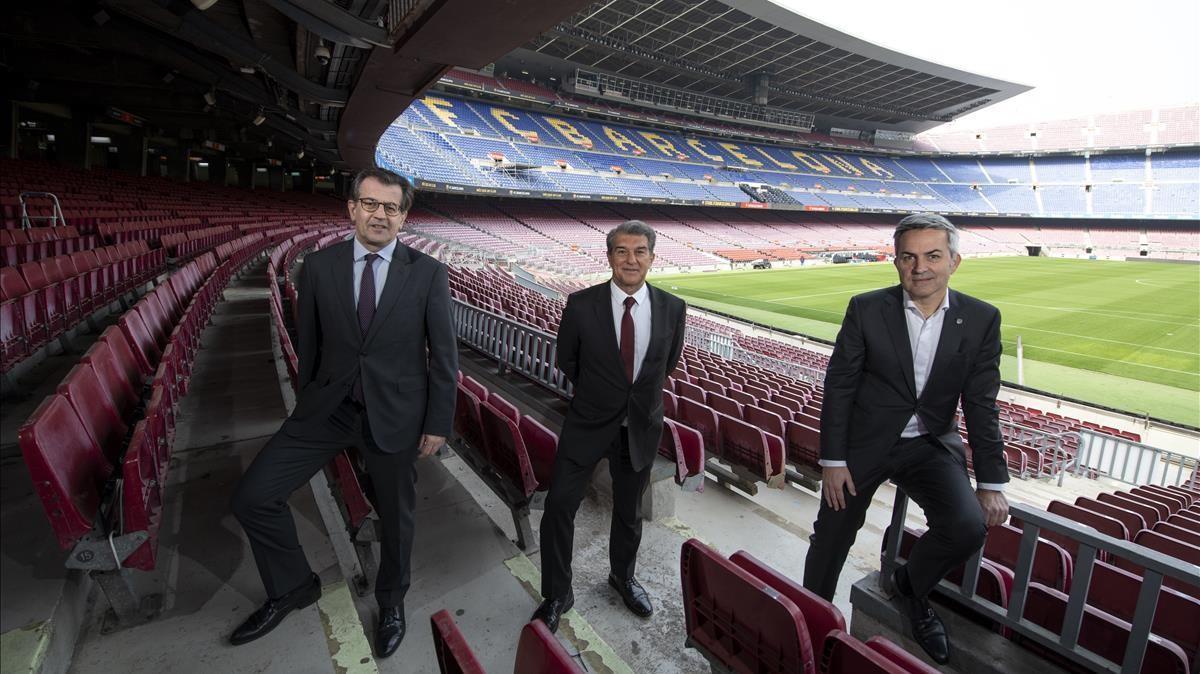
(464, 559)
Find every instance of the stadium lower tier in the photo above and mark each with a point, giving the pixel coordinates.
(460, 145)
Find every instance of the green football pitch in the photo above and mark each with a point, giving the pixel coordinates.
(1121, 334)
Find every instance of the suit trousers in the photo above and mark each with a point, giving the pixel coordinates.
(567, 488)
(932, 476)
(286, 463)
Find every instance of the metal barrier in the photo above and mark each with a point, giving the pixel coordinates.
(1132, 462)
(514, 345)
(726, 346)
(1155, 564)
(1054, 447)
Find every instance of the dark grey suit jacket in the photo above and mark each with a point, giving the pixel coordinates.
(408, 358)
(870, 392)
(604, 397)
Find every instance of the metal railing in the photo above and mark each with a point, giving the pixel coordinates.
(1132, 462)
(1053, 447)
(726, 346)
(1156, 566)
(514, 345)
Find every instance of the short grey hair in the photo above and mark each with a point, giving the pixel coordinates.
(927, 221)
(634, 227)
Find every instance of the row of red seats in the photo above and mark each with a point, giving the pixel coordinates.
(35, 243)
(75, 442)
(39, 301)
(185, 246)
(1111, 597)
(747, 617)
(538, 651)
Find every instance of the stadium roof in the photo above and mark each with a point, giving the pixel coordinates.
(711, 46)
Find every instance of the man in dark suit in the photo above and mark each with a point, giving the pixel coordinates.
(378, 360)
(616, 343)
(904, 358)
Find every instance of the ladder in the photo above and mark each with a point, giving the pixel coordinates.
(57, 219)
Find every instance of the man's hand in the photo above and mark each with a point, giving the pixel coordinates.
(431, 444)
(995, 506)
(833, 479)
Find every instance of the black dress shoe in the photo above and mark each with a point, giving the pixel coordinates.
(551, 610)
(274, 611)
(391, 629)
(927, 628)
(633, 594)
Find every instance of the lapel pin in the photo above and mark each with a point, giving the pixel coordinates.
(958, 321)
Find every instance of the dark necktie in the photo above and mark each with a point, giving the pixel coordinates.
(627, 338)
(366, 311)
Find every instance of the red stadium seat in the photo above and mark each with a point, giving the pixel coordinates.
(479, 390)
(1133, 522)
(453, 653)
(888, 649)
(468, 423)
(542, 445)
(803, 444)
(744, 445)
(141, 341)
(703, 419)
(505, 450)
(1177, 616)
(820, 616)
(685, 447)
(1149, 512)
(1178, 533)
(1051, 564)
(843, 654)
(96, 409)
(1168, 546)
(539, 652)
(506, 408)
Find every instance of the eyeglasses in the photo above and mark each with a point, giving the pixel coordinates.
(372, 205)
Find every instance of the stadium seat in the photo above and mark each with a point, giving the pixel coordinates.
(1172, 504)
(803, 444)
(821, 617)
(1150, 512)
(1133, 522)
(479, 390)
(744, 445)
(685, 447)
(96, 409)
(1189, 554)
(703, 419)
(468, 423)
(542, 446)
(909, 662)
(539, 652)
(843, 654)
(1177, 616)
(454, 655)
(505, 450)
(506, 408)
(141, 342)
(1051, 563)
(1178, 533)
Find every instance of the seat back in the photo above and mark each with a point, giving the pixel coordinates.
(760, 418)
(141, 495)
(820, 616)
(67, 466)
(909, 662)
(724, 404)
(1102, 523)
(1178, 533)
(1133, 522)
(1051, 565)
(479, 390)
(1177, 616)
(124, 358)
(505, 450)
(453, 653)
(96, 409)
(542, 445)
(690, 391)
(745, 445)
(669, 404)
(739, 620)
(803, 443)
(1149, 512)
(141, 342)
(539, 652)
(843, 654)
(1172, 505)
(467, 421)
(508, 409)
(703, 419)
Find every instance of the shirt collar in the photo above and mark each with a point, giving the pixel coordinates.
(360, 251)
(909, 304)
(618, 295)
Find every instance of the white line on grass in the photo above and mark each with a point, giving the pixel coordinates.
(1110, 313)
(1101, 339)
(835, 292)
(1111, 360)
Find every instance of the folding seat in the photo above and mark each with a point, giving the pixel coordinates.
(723, 404)
(50, 297)
(453, 654)
(703, 419)
(539, 652)
(141, 496)
(1102, 523)
(1100, 632)
(821, 617)
(803, 444)
(1176, 618)
(477, 389)
(669, 403)
(690, 391)
(141, 341)
(711, 386)
(542, 446)
(1052, 565)
(169, 303)
(843, 654)
(505, 450)
(787, 401)
(503, 406)
(685, 447)
(1173, 504)
(14, 340)
(1182, 520)
(98, 412)
(78, 283)
(112, 377)
(1184, 500)
(1133, 522)
(741, 397)
(1189, 554)
(744, 445)
(1149, 512)
(768, 422)
(726, 606)
(759, 392)
(67, 466)
(156, 318)
(1178, 533)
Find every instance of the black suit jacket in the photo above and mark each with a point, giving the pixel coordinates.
(408, 358)
(870, 393)
(589, 356)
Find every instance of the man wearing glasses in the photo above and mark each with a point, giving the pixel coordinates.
(377, 365)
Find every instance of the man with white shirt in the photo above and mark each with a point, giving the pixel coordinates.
(616, 343)
(904, 358)
(377, 365)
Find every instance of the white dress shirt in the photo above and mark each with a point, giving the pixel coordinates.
(923, 337)
(641, 321)
(380, 267)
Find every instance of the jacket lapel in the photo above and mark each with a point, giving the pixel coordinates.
(897, 326)
(658, 324)
(343, 281)
(396, 278)
(949, 340)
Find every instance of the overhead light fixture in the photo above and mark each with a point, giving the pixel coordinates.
(210, 96)
(50, 137)
(300, 154)
(202, 164)
(259, 118)
(203, 4)
(260, 169)
(101, 140)
(247, 70)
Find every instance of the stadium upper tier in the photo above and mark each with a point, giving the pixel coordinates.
(458, 145)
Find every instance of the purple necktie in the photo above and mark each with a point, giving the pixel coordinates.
(366, 311)
(627, 338)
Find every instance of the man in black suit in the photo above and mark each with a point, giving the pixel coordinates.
(377, 365)
(904, 358)
(616, 343)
